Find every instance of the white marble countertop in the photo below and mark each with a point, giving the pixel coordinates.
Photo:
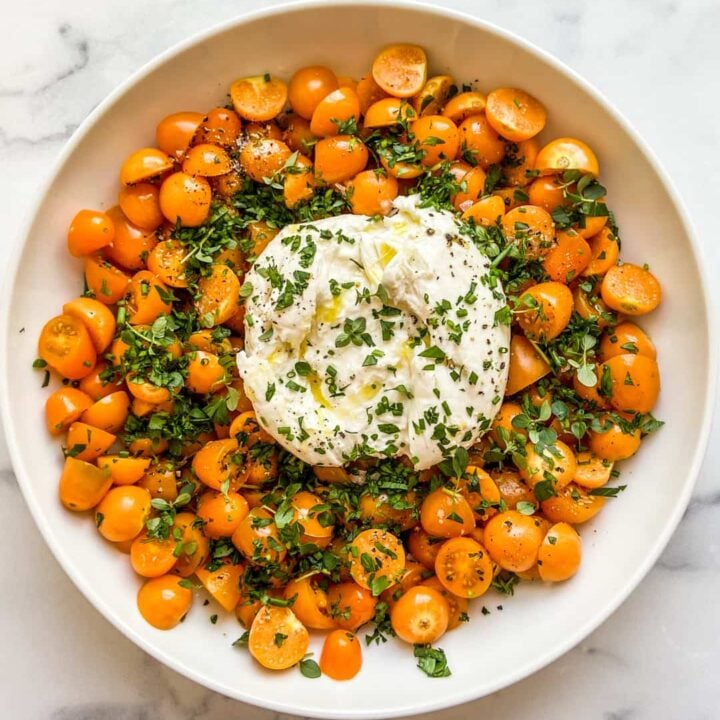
(658, 656)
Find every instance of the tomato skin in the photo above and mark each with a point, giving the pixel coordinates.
(195, 547)
(386, 553)
(89, 231)
(341, 657)
(569, 257)
(340, 105)
(223, 584)
(163, 602)
(369, 92)
(463, 105)
(312, 605)
(219, 127)
(151, 557)
(544, 310)
(635, 382)
(213, 463)
(107, 282)
(623, 338)
(185, 198)
(108, 413)
(315, 532)
(371, 193)
(558, 461)
(130, 246)
(613, 444)
(572, 505)
(526, 365)
(560, 553)
(421, 615)
(308, 87)
(144, 164)
(267, 625)
(566, 153)
(530, 228)
(457, 605)
(124, 470)
(219, 295)
(481, 141)
(121, 514)
(66, 346)
(99, 321)
(145, 302)
(82, 485)
(340, 158)
(264, 157)
(253, 537)
(207, 160)
(430, 129)
(141, 205)
(221, 513)
(464, 567)
(515, 114)
(387, 112)
(64, 407)
(351, 605)
(446, 513)
(513, 540)
(175, 132)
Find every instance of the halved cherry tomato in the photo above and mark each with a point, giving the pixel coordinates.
(152, 557)
(299, 182)
(420, 616)
(472, 186)
(369, 92)
(479, 139)
(167, 260)
(605, 251)
(387, 112)
(371, 192)
(257, 537)
(423, 547)
(558, 461)
(377, 510)
(377, 559)
(175, 132)
(221, 512)
(446, 513)
(515, 114)
(160, 480)
(278, 640)
(437, 137)
(340, 106)
(195, 547)
(64, 407)
(223, 584)
(310, 512)
(614, 442)
(259, 98)
(219, 295)
(262, 158)
(207, 160)
(205, 374)
(526, 365)
(86, 442)
(147, 298)
(339, 158)
(185, 199)
(311, 604)
(512, 489)
(214, 463)
(99, 321)
(141, 205)
(519, 163)
(457, 606)
(400, 70)
(544, 310)
(560, 553)
(463, 105)
(164, 602)
(631, 289)
(144, 164)
(572, 505)
(464, 567)
(431, 99)
(308, 87)
(66, 346)
(351, 605)
(567, 154)
(131, 245)
(220, 127)
(89, 231)
(107, 282)
(530, 228)
(568, 258)
(82, 485)
(592, 471)
(635, 382)
(109, 413)
(486, 212)
(297, 134)
(546, 192)
(513, 540)
(502, 424)
(626, 338)
(124, 470)
(121, 514)
(341, 657)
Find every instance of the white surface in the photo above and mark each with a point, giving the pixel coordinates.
(655, 657)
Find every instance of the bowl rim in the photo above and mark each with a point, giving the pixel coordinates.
(26, 485)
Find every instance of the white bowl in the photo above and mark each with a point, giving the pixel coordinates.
(539, 623)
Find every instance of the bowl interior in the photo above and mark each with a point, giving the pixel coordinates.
(539, 622)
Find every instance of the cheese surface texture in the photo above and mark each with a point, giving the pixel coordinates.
(374, 337)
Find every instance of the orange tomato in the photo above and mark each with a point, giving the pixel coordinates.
(146, 392)
(146, 446)
(270, 624)
(144, 164)
(98, 320)
(605, 251)
(164, 602)
(219, 295)
(185, 199)
(339, 106)
(472, 187)
(106, 282)
(486, 212)
(546, 192)
(592, 471)
(307, 512)
(124, 470)
(544, 310)
(257, 537)
(205, 374)
(207, 160)
(590, 393)
(311, 604)
(377, 510)
(141, 205)
(175, 132)
(121, 514)
(458, 606)
(431, 99)
(503, 421)
(560, 553)
(340, 158)
(387, 112)
(526, 365)
(463, 105)
(420, 616)
(631, 289)
(82, 485)
(167, 261)
(223, 584)
(479, 140)
(262, 158)
(369, 92)
(66, 346)
(220, 127)
(351, 605)
(64, 407)
(87, 442)
(299, 182)
(590, 225)
(513, 540)
(572, 505)
(512, 489)
(221, 513)
(519, 163)
(568, 258)
(160, 480)
(566, 153)
(109, 413)
(130, 246)
(308, 87)
(464, 568)
(146, 301)
(215, 463)
(195, 547)
(423, 547)
(400, 70)
(530, 228)
(259, 98)
(626, 338)
(438, 137)
(635, 382)
(341, 657)
(377, 559)
(152, 557)
(515, 114)
(89, 231)
(297, 134)
(372, 192)
(227, 185)
(446, 513)
(591, 307)
(480, 492)
(557, 461)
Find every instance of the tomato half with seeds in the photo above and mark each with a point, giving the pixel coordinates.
(66, 346)
(311, 604)
(464, 567)
(278, 640)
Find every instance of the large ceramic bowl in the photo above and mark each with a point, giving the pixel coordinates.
(539, 623)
